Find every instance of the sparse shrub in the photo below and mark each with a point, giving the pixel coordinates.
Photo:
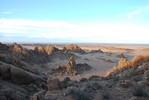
(78, 94)
(93, 86)
(138, 91)
(66, 80)
(116, 79)
(95, 78)
(105, 96)
(83, 79)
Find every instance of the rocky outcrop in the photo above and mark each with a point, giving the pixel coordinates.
(120, 55)
(40, 49)
(16, 51)
(124, 64)
(74, 48)
(71, 68)
(70, 65)
(17, 48)
(48, 49)
(18, 79)
(8, 60)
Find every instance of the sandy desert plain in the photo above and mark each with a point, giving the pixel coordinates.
(100, 62)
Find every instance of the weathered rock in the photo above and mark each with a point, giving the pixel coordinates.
(21, 76)
(146, 75)
(12, 94)
(97, 51)
(43, 86)
(18, 48)
(124, 63)
(139, 60)
(120, 55)
(53, 83)
(39, 95)
(5, 71)
(70, 67)
(50, 49)
(40, 49)
(133, 98)
(71, 64)
(75, 48)
(66, 80)
(143, 83)
(53, 95)
(127, 64)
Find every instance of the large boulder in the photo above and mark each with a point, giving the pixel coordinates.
(53, 83)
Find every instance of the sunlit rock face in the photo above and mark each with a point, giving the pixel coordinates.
(74, 48)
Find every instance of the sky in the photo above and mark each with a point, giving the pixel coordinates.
(74, 21)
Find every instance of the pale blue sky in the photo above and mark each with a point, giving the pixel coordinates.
(91, 21)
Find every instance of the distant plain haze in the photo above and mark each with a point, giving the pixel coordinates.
(74, 21)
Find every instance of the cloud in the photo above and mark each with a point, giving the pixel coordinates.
(130, 15)
(61, 30)
(6, 12)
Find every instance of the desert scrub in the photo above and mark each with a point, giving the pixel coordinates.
(78, 94)
(105, 96)
(140, 92)
(93, 86)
